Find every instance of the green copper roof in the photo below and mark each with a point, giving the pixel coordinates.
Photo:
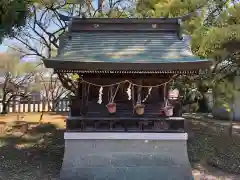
(128, 47)
(125, 51)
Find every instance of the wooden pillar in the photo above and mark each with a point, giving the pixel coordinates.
(79, 90)
(83, 99)
(75, 102)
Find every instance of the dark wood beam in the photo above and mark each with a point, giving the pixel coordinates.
(125, 68)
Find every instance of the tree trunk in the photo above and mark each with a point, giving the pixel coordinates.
(4, 98)
(4, 108)
(230, 128)
(232, 113)
(41, 117)
(4, 104)
(203, 104)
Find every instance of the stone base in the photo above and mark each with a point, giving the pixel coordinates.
(125, 156)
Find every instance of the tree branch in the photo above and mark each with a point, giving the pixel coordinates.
(30, 48)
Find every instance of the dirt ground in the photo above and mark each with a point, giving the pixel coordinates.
(35, 151)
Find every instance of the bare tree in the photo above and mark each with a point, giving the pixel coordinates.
(52, 91)
(16, 75)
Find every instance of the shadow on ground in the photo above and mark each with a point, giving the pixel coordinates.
(33, 155)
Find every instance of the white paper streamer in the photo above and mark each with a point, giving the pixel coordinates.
(129, 92)
(100, 95)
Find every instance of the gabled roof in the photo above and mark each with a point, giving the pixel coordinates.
(136, 47)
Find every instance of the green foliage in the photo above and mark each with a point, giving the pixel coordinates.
(13, 14)
(211, 40)
(75, 76)
(113, 13)
(224, 94)
(167, 8)
(230, 16)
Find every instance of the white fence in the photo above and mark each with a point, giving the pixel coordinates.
(37, 106)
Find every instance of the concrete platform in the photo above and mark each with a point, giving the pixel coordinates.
(125, 156)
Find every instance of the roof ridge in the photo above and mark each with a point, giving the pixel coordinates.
(124, 24)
